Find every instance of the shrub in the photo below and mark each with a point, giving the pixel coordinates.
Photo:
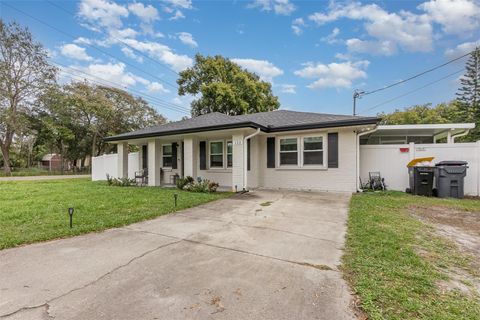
(122, 182)
(201, 185)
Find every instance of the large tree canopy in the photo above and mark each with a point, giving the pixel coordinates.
(24, 74)
(223, 86)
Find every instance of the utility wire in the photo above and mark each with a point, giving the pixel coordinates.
(89, 45)
(415, 90)
(118, 39)
(416, 76)
(61, 65)
(76, 76)
(102, 81)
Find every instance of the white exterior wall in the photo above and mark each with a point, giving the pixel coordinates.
(107, 164)
(340, 179)
(392, 163)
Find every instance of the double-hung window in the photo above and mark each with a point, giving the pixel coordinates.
(167, 155)
(216, 154)
(288, 151)
(229, 154)
(313, 151)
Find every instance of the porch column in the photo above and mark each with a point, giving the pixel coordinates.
(154, 149)
(122, 160)
(238, 162)
(190, 155)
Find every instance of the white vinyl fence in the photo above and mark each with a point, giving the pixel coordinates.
(107, 164)
(391, 161)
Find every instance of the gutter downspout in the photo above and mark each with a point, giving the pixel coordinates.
(245, 158)
(357, 173)
(460, 135)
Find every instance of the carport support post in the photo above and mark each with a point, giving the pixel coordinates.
(122, 158)
(154, 147)
(238, 160)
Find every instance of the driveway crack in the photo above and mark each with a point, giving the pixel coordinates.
(47, 303)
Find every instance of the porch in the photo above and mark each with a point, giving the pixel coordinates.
(220, 156)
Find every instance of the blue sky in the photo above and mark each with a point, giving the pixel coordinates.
(315, 53)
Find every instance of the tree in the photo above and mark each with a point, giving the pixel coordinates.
(24, 74)
(468, 95)
(422, 114)
(223, 86)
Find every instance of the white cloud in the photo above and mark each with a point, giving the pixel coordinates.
(297, 25)
(161, 52)
(147, 14)
(455, 16)
(185, 4)
(123, 33)
(110, 72)
(264, 69)
(156, 87)
(75, 52)
(288, 88)
(386, 48)
(106, 13)
(409, 31)
(129, 53)
(332, 37)
(282, 7)
(462, 49)
(333, 75)
(178, 15)
(187, 38)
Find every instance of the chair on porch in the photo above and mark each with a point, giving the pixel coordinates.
(141, 177)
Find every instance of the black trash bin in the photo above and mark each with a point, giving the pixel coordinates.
(449, 178)
(421, 180)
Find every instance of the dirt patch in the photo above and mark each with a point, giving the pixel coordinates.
(463, 228)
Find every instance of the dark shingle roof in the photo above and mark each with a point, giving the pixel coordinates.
(280, 120)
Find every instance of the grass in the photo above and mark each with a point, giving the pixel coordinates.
(26, 172)
(32, 211)
(383, 263)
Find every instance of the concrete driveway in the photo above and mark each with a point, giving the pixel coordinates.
(262, 255)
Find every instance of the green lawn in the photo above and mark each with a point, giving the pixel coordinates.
(25, 172)
(32, 211)
(394, 262)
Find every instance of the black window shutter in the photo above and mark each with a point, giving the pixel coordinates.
(203, 155)
(144, 157)
(271, 152)
(174, 155)
(248, 154)
(333, 150)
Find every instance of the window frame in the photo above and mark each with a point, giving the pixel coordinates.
(324, 151)
(210, 154)
(300, 149)
(226, 153)
(163, 155)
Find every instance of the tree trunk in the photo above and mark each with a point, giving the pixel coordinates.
(6, 159)
(94, 144)
(62, 163)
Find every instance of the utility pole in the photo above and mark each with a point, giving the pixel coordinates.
(357, 94)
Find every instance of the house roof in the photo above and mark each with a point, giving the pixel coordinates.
(273, 121)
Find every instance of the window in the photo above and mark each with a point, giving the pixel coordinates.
(229, 154)
(313, 151)
(167, 155)
(216, 154)
(289, 151)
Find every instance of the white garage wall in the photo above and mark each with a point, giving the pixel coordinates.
(107, 164)
(391, 162)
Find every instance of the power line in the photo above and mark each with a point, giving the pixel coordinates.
(120, 85)
(120, 40)
(416, 76)
(75, 76)
(415, 90)
(89, 45)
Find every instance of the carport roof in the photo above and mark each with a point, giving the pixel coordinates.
(431, 130)
(273, 121)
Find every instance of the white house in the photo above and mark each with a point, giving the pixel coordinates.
(278, 149)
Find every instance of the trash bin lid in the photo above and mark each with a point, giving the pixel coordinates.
(452, 163)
